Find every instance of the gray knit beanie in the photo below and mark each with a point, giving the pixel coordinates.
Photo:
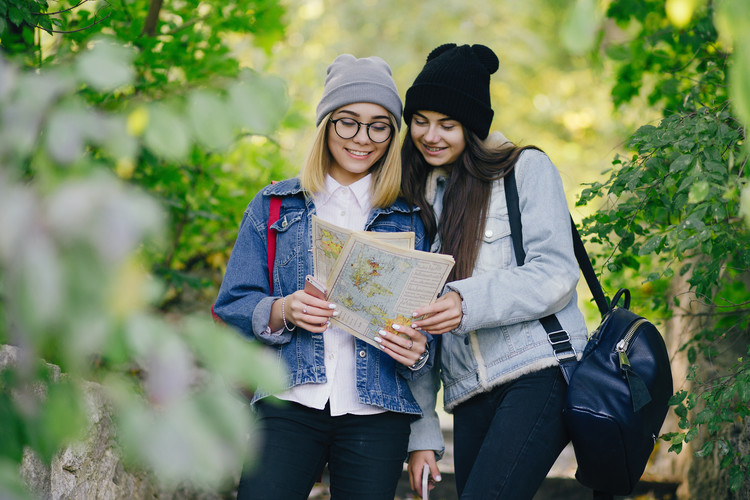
(351, 80)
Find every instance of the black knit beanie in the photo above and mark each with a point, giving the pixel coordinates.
(455, 81)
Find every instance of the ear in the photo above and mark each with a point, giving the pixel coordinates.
(485, 55)
(439, 50)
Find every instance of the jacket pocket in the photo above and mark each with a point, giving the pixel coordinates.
(289, 233)
(495, 250)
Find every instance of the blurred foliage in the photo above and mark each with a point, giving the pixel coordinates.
(108, 164)
(179, 54)
(674, 205)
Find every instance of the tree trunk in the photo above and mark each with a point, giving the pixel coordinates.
(152, 18)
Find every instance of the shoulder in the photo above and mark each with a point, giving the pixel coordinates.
(287, 187)
(533, 163)
(258, 208)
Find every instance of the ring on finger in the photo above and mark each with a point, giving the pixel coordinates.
(304, 309)
(411, 344)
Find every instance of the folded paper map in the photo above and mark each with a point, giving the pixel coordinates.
(374, 282)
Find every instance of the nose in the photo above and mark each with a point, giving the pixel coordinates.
(361, 136)
(431, 135)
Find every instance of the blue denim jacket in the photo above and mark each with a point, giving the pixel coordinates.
(500, 338)
(244, 299)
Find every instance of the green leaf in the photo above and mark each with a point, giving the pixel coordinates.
(706, 450)
(258, 103)
(210, 119)
(15, 15)
(736, 478)
(651, 245)
(166, 134)
(691, 434)
(681, 163)
(106, 66)
(743, 389)
(678, 398)
(578, 31)
(698, 192)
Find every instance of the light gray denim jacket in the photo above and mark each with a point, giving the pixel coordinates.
(500, 338)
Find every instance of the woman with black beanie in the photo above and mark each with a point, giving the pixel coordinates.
(500, 374)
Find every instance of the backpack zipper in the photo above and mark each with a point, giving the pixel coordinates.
(622, 346)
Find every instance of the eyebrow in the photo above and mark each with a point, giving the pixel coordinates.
(349, 112)
(446, 119)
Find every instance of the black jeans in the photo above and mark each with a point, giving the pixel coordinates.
(506, 440)
(365, 453)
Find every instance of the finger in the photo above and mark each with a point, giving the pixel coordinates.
(440, 323)
(434, 472)
(407, 360)
(442, 328)
(408, 347)
(314, 327)
(415, 475)
(310, 300)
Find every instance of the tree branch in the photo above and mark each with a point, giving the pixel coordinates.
(152, 18)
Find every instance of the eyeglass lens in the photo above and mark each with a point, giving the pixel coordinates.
(347, 128)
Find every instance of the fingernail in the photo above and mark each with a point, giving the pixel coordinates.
(331, 306)
(383, 333)
(438, 478)
(396, 327)
(335, 313)
(328, 323)
(414, 314)
(414, 325)
(377, 339)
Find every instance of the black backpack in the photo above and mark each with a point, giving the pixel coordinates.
(618, 392)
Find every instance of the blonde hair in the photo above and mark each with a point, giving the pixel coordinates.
(386, 172)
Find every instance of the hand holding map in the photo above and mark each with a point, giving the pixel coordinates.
(376, 284)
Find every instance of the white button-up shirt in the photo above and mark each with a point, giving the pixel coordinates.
(348, 207)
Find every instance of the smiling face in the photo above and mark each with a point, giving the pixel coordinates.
(438, 137)
(353, 158)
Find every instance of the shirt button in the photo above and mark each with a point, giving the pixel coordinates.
(488, 233)
(362, 354)
(343, 213)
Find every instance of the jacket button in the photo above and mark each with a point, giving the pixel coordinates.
(283, 223)
(466, 340)
(488, 233)
(362, 354)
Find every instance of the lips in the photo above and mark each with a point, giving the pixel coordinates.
(358, 154)
(433, 150)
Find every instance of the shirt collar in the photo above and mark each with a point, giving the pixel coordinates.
(360, 189)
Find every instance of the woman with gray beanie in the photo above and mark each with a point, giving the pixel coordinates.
(499, 370)
(348, 404)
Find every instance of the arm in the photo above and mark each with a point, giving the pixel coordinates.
(426, 439)
(547, 281)
(244, 299)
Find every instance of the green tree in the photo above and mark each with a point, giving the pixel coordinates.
(105, 148)
(673, 205)
(176, 49)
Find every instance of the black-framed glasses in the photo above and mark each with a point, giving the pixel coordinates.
(346, 128)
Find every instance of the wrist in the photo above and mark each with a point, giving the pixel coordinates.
(421, 361)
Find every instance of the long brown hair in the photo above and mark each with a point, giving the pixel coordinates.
(466, 196)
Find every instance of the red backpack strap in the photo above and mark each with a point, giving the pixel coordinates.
(273, 215)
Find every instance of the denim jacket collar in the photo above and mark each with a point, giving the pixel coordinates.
(291, 187)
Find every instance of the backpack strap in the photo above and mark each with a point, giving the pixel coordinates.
(273, 215)
(559, 338)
